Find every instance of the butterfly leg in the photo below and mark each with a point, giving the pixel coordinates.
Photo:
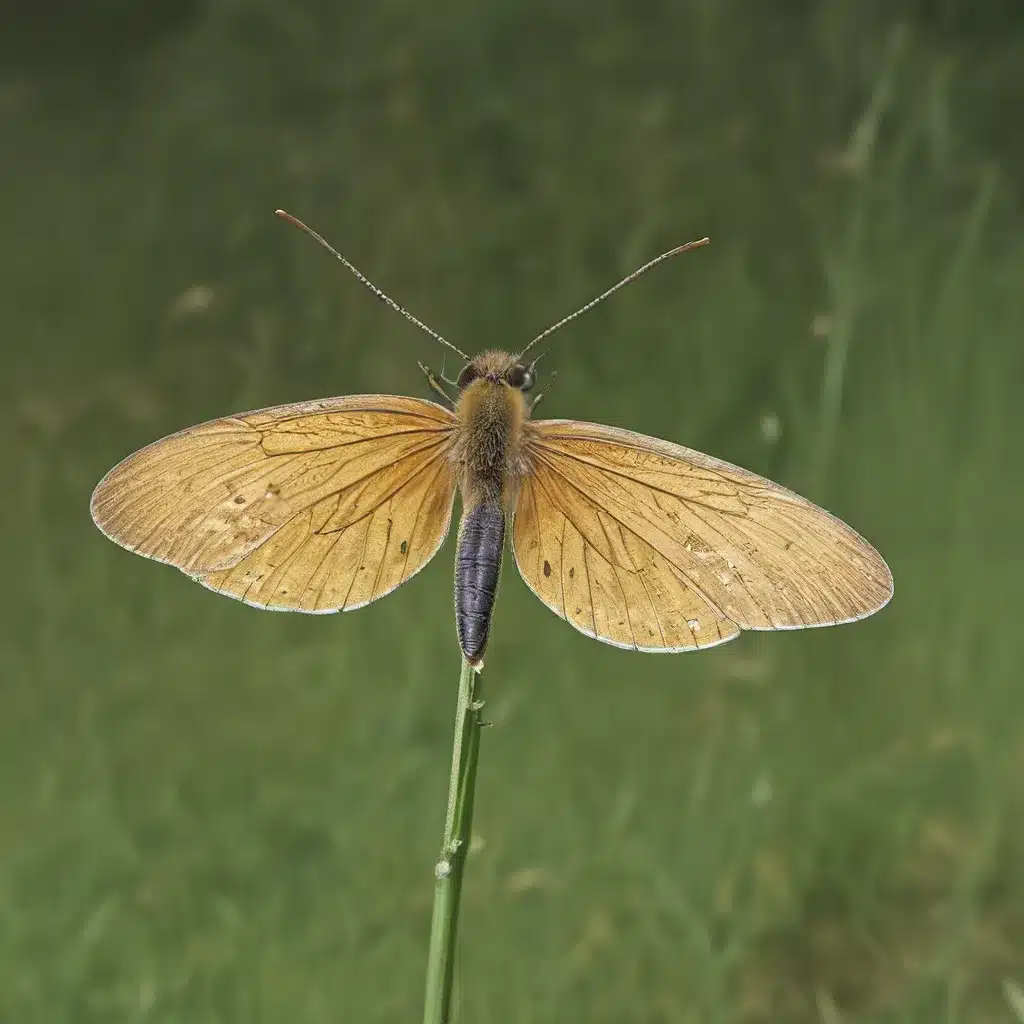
(436, 384)
(541, 394)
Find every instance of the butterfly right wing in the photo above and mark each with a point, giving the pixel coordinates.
(648, 545)
(317, 507)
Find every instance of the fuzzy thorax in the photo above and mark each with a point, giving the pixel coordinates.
(489, 449)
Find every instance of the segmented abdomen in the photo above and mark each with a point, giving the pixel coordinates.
(477, 566)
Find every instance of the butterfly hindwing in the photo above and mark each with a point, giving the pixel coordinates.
(649, 545)
(320, 506)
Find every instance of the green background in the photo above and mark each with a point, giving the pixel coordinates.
(208, 813)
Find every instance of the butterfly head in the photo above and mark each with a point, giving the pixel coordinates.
(498, 368)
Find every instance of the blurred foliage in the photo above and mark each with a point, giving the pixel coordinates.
(211, 814)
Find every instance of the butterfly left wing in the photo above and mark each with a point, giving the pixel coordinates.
(649, 545)
(315, 507)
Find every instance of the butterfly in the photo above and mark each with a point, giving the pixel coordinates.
(325, 506)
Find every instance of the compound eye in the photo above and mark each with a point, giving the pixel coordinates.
(520, 377)
(467, 376)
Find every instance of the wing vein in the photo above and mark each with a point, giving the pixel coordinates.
(561, 555)
(346, 444)
(357, 567)
(602, 468)
(650, 601)
(590, 585)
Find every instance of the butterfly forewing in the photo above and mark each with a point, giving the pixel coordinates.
(647, 544)
(315, 507)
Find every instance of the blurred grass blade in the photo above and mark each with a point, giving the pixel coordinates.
(828, 1012)
(1014, 997)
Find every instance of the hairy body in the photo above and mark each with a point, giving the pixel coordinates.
(491, 460)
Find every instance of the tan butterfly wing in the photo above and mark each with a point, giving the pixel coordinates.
(652, 546)
(317, 507)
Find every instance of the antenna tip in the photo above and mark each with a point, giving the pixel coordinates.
(291, 219)
(686, 247)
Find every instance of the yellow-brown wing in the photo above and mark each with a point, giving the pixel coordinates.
(317, 507)
(652, 546)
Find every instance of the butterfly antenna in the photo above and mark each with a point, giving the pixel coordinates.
(614, 288)
(284, 215)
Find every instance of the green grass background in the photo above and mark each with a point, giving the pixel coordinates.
(209, 814)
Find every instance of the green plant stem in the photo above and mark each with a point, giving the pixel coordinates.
(455, 847)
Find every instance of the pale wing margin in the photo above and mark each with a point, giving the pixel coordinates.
(752, 553)
(319, 506)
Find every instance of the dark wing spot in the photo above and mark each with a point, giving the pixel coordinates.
(578, 610)
(405, 547)
(239, 499)
(572, 573)
(547, 568)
